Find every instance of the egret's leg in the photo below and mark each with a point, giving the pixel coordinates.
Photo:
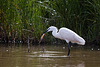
(68, 50)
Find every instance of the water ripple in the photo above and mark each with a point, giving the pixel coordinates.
(47, 54)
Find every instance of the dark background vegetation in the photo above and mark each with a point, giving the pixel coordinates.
(22, 18)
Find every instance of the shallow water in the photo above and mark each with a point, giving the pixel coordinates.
(52, 56)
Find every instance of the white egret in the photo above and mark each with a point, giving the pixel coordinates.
(65, 34)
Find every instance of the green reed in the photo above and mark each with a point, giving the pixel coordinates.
(18, 17)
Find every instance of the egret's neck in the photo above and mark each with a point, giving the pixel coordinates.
(55, 33)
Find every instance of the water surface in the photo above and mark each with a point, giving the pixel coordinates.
(52, 56)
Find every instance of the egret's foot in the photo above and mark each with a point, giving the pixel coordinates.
(68, 55)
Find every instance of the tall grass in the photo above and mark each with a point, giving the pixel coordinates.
(23, 18)
(17, 17)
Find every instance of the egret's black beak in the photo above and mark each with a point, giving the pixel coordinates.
(45, 31)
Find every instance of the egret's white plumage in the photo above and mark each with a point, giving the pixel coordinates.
(67, 35)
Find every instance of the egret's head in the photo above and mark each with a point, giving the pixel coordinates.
(51, 28)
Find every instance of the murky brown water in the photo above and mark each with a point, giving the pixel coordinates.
(53, 56)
